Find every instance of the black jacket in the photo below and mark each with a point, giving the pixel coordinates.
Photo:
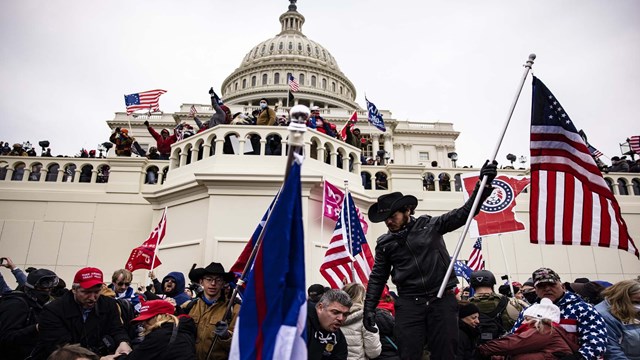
(467, 342)
(157, 344)
(61, 323)
(416, 257)
(19, 315)
(321, 344)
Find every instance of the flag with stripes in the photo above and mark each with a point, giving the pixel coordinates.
(634, 144)
(340, 266)
(594, 152)
(146, 100)
(193, 110)
(293, 84)
(570, 202)
(476, 261)
(272, 320)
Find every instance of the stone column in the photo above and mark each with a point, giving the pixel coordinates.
(375, 144)
(407, 154)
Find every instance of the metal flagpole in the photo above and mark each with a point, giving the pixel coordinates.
(297, 127)
(476, 201)
(324, 185)
(344, 226)
(506, 265)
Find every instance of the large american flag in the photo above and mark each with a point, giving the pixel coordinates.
(146, 100)
(571, 203)
(293, 84)
(337, 263)
(634, 144)
(476, 261)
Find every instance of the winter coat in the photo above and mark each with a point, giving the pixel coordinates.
(206, 317)
(267, 117)
(386, 323)
(578, 317)
(163, 145)
(530, 344)
(19, 315)
(61, 323)
(623, 340)
(157, 345)
(416, 257)
(123, 143)
(322, 344)
(467, 341)
(360, 341)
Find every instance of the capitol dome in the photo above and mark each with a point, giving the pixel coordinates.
(264, 71)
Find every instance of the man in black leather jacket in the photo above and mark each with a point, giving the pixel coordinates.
(413, 252)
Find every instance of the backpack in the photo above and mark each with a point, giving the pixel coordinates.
(491, 326)
(19, 295)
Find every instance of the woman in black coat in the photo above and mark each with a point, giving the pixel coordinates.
(468, 320)
(165, 336)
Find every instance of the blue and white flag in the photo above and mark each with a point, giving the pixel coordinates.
(461, 269)
(375, 118)
(272, 319)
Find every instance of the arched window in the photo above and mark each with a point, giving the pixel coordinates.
(85, 173)
(276, 78)
(324, 84)
(280, 46)
(333, 86)
(308, 49)
(52, 173)
(35, 172)
(299, 46)
(264, 48)
(340, 90)
(290, 45)
(313, 80)
(244, 83)
(264, 79)
(253, 80)
(622, 187)
(235, 86)
(301, 79)
(271, 47)
(636, 186)
(18, 173)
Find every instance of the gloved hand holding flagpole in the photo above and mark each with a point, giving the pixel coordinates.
(476, 201)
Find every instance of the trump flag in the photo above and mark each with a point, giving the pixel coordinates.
(332, 199)
(273, 316)
(497, 214)
(144, 256)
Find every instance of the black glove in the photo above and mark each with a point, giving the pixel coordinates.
(489, 170)
(369, 321)
(117, 130)
(222, 330)
(146, 123)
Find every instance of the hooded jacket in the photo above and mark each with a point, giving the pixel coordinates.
(157, 344)
(178, 293)
(163, 145)
(416, 257)
(361, 344)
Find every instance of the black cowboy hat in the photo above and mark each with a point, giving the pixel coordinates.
(212, 269)
(389, 204)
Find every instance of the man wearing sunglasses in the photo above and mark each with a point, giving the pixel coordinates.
(120, 284)
(20, 313)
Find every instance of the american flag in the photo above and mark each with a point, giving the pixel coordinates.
(146, 100)
(571, 203)
(193, 110)
(293, 84)
(634, 143)
(476, 262)
(595, 152)
(336, 266)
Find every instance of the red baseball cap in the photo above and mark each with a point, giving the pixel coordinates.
(152, 308)
(88, 277)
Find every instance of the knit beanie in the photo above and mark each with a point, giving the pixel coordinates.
(544, 310)
(465, 310)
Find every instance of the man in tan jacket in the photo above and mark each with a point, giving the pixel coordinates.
(267, 115)
(208, 311)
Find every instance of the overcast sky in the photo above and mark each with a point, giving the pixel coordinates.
(65, 65)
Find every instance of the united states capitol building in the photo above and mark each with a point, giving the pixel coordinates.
(67, 213)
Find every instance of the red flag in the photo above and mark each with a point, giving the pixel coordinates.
(570, 203)
(144, 256)
(496, 213)
(350, 124)
(332, 198)
(338, 261)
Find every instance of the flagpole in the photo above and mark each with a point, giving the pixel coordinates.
(324, 186)
(297, 127)
(476, 200)
(155, 248)
(506, 265)
(346, 208)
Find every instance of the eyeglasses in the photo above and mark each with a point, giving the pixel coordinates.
(123, 283)
(210, 280)
(47, 282)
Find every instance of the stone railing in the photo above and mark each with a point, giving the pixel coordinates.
(241, 141)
